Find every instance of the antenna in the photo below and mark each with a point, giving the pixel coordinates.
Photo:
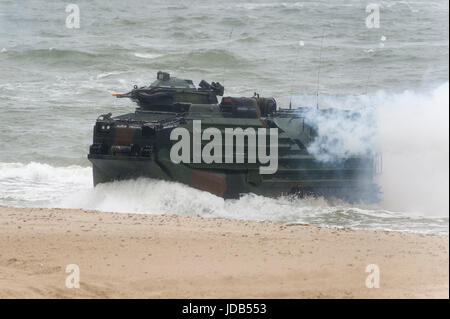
(318, 72)
(372, 54)
(300, 44)
(369, 76)
(229, 38)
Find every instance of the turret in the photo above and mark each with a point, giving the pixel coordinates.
(171, 94)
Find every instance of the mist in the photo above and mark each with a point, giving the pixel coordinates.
(342, 134)
(411, 132)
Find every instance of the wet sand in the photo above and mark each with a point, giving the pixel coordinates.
(150, 256)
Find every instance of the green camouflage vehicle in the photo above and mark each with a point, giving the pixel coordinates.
(139, 144)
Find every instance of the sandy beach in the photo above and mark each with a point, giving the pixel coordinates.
(161, 256)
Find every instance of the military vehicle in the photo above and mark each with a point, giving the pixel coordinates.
(139, 144)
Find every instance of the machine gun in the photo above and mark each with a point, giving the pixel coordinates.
(214, 87)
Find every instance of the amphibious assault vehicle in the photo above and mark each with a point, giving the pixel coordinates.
(267, 153)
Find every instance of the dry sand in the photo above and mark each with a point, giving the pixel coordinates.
(148, 256)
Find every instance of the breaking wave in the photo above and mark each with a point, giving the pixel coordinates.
(161, 197)
(37, 184)
(147, 55)
(42, 185)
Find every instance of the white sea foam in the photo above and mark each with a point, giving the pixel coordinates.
(147, 55)
(107, 74)
(40, 184)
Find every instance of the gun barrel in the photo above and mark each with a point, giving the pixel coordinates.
(120, 95)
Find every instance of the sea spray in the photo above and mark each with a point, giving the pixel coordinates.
(342, 134)
(147, 196)
(41, 185)
(413, 131)
(37, 184)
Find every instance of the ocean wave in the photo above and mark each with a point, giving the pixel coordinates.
(234, 21)
(147, 55)
(55, 53)
(39, 172)
(43, 185)
(105, 75)
(38, 184)
(269, 5)
(55, 56)
(148, 196)
(215, 56)
(202, 59)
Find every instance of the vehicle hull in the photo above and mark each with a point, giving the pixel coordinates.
(231, 184)
(261, 149)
